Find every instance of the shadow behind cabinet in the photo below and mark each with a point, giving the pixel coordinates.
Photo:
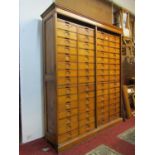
(81, 76)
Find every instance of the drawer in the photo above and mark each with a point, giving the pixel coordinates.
(112, 38)
(86, 72)
(86, 52)
(85, 38)
(66, 80)
(63, 106)
(86, 79)
(102, 54)
(86, 65)
(86, 45)
(102, 72)
(66, 42)
(103, 104)
(86, 58)
(112, 61)
(102, 78)
(86, 87)
(102, 60)
(86, 115)
(67, 90)
(86, 101)
(67, 136)
(67, 50)
(117, 67)
(67, 73)
(114, 78)
(102, 91)
(117, 45)
(102, 48)
(86, 107)
(117, 39)
(86, 94)
(85, 31)
(67, 98)
(66, 25)
(104, 115)
(112, 90)
(102, 121)
(114, 96)
(67, 124)
(113, 85)
(117, 51)
(102, 42)
(103, 98)
(86, 128)
(102, 66)
(102, 35)
(66, 65)
(86, 121)
(114, 72)
(114, 56)
(101, 111)
(67, 113)
(112, 50)
(66, 34)
(66, 57)
(102, 86)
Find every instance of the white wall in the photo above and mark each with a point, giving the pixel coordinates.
(31, 68)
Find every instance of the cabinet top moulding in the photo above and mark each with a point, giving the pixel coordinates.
(54, 8)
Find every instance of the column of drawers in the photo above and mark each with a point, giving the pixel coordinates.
(66, 68)
(114, 71)
(86, 86)
(102, 78)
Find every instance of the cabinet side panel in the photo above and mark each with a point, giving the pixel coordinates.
(50, 84)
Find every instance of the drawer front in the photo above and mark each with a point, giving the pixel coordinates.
(102, 78)
(66, 65)
(102, 72)
(117, 51)
(67, 80)
(102, 66)
(66, 34)
(67, 113)
(85, 45)
(102, 54)
(86, 58)
(86, 128)
(86, 79)
(117, 39)
(112, 50)
(102, 48)
(87, 115)
(112, 38)
(67, 73)
(88, 87)
(114, 56)
(67, 124)
(102, 92)
(67, 98)
(117, 45)
(102, 35)
(86, 65)
(66, 42)
(85, 31)
(117, 67)
(113, 85)
(114, 78)
(102, 60)
(64, 106)
(86, 95)
(102, 42)
(67, 50)
(112, 44)
(67, 136)
(67, 90)
(102, 86)
(66, 57)
(86, 121)
(86, 107)
(86, 72)
(103, 98)
(104, 104)
(85, 52)
(114, 72)
(85, 38)
(62, 24)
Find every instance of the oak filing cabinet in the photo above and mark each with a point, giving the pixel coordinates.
(82, 76)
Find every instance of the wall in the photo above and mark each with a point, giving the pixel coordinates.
(31, 68)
